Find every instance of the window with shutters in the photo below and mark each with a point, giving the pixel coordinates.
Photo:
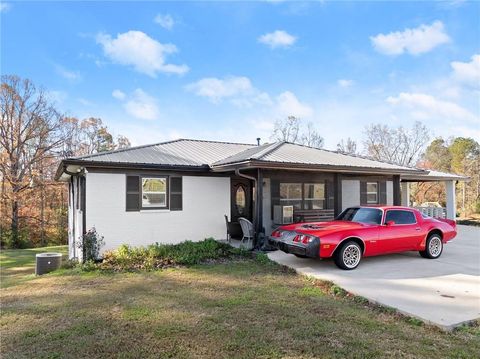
(154, 192)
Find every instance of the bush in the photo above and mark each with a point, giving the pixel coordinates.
(166, 255)
(91, 244)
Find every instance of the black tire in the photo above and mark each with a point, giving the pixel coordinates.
(299, 255)
(348, 256)
(433, 247)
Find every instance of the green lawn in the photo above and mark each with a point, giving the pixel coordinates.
(240, 308)
(18, 265)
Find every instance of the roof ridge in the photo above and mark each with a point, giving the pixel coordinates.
(357, 156)
(124, 149)
(268, 150)
(153, 145)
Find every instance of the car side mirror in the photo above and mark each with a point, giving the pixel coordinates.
(390, 223)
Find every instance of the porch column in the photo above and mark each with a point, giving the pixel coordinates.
(406, 194)
(396, 191)
(337, 194)
(450, 198)
(259, 205)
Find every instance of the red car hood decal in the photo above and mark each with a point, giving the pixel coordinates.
(324, 227)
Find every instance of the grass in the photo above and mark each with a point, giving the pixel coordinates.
(18, 265)
(243, 308)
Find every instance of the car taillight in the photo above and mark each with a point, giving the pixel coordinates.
(297, 238)
(275, 234)
(307, 239)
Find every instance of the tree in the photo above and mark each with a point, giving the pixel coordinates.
(287, 129)
(123, 142)
(29, 132)
(437, 155)
(311, 137)
(347, 146)
(290, 130)
(397, 145)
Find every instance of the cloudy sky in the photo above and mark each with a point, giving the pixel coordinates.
(226, 71)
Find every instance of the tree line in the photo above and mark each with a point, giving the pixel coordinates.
(411, 147)
(34, 136)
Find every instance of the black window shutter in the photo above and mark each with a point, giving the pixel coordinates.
(363, 193)
(382, 192)
(133, 193)
(176, 197)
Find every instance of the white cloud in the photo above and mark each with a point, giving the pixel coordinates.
(278, 38)
(68, 74)
(345, 83)
(414, 41)
(5, 6)
(289, 105)
(119, 95)
(467, 72)
(139, 50)
(216, 89)
(139, 104)
(423, 106)
(166, 21)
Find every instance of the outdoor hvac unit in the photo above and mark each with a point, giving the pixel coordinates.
(282, 214)
(47, 262)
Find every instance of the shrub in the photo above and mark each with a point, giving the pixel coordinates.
(91, 244)
(166, 255)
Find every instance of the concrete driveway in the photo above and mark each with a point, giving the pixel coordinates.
(444, 292)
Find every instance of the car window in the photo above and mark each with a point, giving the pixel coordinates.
(361, 215)
(400, 217)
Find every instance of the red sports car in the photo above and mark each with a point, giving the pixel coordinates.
(366, 231)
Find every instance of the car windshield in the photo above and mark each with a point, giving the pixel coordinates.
(361, 215)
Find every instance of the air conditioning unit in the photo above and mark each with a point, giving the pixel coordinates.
(282, 214)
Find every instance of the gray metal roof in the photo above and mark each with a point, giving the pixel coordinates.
(290, 153)
(224, 156)
(434, 176)
(182, 152)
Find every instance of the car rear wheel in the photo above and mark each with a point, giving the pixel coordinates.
(433, 247)
(348, 255)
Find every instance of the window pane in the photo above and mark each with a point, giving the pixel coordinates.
(372, 198)
(240, 200)
(291, 191)
(314, 204)
(295, 203)
(372, 187)
(154, 184)
(315, 191)
(154, 200)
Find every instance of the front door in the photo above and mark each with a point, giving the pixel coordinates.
(403, 232)
(241, 199)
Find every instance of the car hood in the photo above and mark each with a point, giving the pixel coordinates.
(323, 228)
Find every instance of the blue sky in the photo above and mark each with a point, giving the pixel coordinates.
(155, 71)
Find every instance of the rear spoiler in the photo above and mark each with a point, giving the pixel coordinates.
(451, 222)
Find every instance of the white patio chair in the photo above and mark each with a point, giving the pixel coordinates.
(248, 232)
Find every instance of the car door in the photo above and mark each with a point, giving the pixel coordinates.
(400, 231)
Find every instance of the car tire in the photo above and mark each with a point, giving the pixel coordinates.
(433, 247)
(348, 256)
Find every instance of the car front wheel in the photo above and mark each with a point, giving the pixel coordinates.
(348, 256)
(433, 247)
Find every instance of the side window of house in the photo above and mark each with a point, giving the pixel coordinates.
(400, 217)
(372, 192)
(153, 192)
(314, 196)
(291, 194)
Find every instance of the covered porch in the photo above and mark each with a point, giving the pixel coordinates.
(448, 180)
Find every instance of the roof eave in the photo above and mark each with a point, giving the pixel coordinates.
(125, 165)
(307, 167)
